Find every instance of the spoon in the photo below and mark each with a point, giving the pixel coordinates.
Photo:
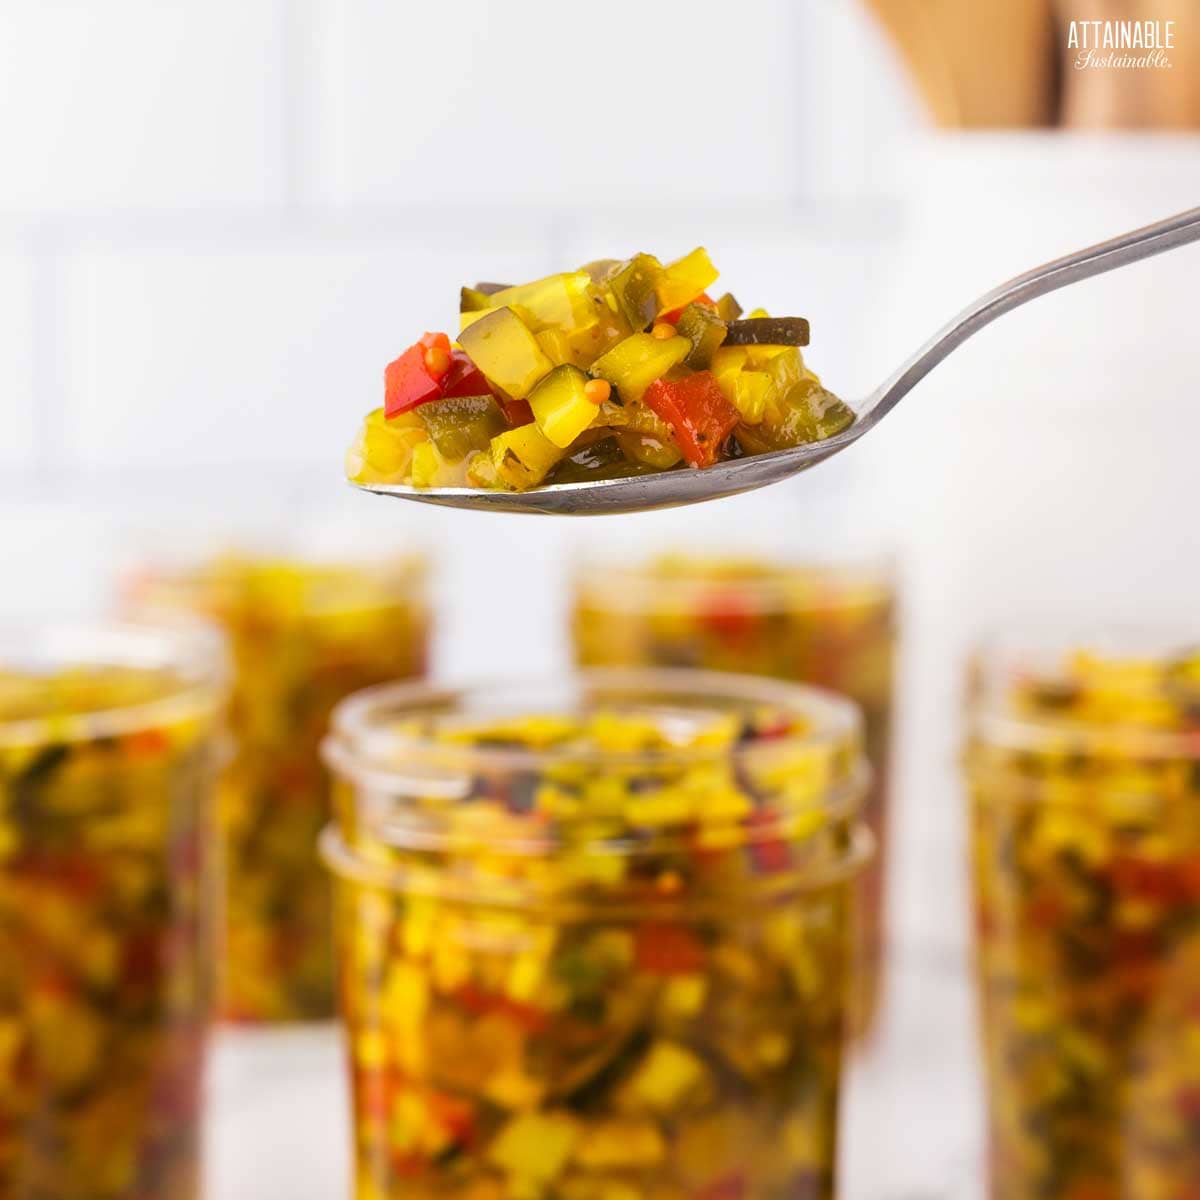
(668, 489)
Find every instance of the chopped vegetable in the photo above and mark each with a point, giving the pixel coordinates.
(634, 289)
(459, 424)
(409, 382)
(619, 326)
(701, 325)
(634, 364)
(505, 350)
(696, 410)
(768, 331)
(561, 406)
(524, 456)
(685, 279)
(728, 309)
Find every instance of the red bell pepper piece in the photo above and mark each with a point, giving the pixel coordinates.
(407, 382)
(464, 378)
(667, 950)
(411, 380)
(673, 316)
(517, 412)
(699, 415)
(727, 615)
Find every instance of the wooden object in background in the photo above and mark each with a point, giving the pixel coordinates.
(1133, 98)
(979, 63)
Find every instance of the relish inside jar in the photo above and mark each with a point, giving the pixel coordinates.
(1084, 769)
(829, 624)
(109, 742)
(303, 634)
(594, 937)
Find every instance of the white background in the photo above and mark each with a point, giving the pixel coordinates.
(219, 221)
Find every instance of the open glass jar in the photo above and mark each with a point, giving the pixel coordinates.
(832, 625)
(109, 747)
(304, 634)
(595, 936)
(1084, 772)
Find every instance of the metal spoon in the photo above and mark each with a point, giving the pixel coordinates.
(667, 489)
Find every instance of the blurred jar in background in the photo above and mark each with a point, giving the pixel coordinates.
(109, 747)
(303, 635)
(833, 626)
(1084, 775)
(594, 936)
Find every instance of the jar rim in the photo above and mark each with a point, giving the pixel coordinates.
(324, 579)
(354, 746)
(763, 583)
(191, 652)
(1003, 662)
(345, 863)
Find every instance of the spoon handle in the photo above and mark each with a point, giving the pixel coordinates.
(1049, 277)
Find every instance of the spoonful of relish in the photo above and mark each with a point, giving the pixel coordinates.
(624, 386)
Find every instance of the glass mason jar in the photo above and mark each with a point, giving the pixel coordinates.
(303, 636)
(830, 625)
(594, 936)
(1084, 774)
(109, 746)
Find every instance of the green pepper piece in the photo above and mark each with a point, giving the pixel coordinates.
(768, 331)
(634, 287)
(505, 350)
(459, 424)
(728, 309)
(806, 412)
(705, 330)
(601, 460)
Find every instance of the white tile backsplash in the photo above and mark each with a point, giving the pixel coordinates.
(136, 104)
(17, 412)
(259, 355)
(652, 104)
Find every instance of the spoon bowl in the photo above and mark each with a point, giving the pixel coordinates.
(669, 489)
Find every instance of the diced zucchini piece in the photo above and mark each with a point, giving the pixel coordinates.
(502, 347)
(768, 331)
(473, 300)
(632, 365)
(705, 330)
(556, 302)
(425, 464)
(459, 424)
(683, 280)
(728, 309)
(490, 289)
(383, 449)
(555, 345)
(560, 408)
(634, 288)
(751, 391)
(524, 456)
